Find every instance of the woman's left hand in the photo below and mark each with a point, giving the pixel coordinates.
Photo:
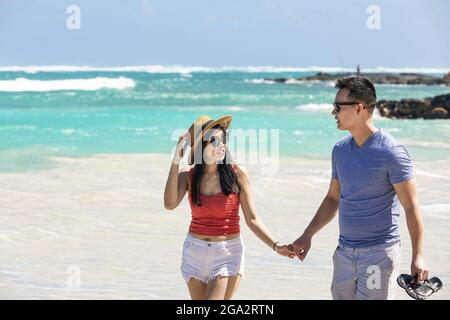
(285, 250)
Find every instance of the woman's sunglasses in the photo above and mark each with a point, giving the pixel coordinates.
(215, 141)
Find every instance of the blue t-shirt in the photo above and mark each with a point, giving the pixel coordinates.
(369, 209)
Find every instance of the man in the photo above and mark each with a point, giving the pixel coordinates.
(371, 174)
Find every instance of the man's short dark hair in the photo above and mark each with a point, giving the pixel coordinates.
(360, 89)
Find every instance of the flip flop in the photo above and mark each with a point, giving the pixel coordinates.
(421, 291)
(404, 280)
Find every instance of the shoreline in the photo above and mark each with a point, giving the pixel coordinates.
(52, 162)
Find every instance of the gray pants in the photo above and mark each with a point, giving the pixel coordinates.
(365, 273)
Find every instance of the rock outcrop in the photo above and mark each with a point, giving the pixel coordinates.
(376, 78)
(437, 107)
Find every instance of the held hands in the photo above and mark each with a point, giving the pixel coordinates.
(301, 246)
(284, 250)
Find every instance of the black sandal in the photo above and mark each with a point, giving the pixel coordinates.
(421, 291)
(404, 280)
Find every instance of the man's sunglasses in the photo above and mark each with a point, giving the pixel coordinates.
(337, 105)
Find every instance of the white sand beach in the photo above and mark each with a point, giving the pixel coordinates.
(104, 217)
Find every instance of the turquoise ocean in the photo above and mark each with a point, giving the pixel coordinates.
(74, 112)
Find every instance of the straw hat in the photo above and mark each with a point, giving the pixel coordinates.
(200, 127)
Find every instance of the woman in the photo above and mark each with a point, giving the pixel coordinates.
(213, 252)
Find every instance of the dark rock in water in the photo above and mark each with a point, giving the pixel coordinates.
(441, 101)
(280, 80)
(437, 107)
(377, 78)
(438, 113)
(447, 78)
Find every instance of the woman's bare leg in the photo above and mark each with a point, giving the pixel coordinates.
(222, 288)
(197, 289)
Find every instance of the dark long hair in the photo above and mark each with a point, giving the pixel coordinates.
(228, 180)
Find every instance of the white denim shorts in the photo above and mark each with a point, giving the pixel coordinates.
(206, 260)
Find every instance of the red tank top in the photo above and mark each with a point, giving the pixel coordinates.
(218, 215)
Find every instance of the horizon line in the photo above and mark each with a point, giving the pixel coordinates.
(174, 68)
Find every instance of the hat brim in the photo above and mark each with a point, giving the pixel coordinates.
(224, 122)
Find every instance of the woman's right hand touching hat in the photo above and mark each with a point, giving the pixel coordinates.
(180, 148)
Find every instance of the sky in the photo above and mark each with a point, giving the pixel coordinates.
(407, 33)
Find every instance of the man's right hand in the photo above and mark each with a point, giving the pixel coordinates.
(302, 246)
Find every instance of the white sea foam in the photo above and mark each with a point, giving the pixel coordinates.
(167, 69)
(392, 130)
(67, 131)
(234, 108)
(212, 108)
(259, 81)
(315, 107)
(292, 81)
(295, 81)
(190, 69)
(24, 84)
